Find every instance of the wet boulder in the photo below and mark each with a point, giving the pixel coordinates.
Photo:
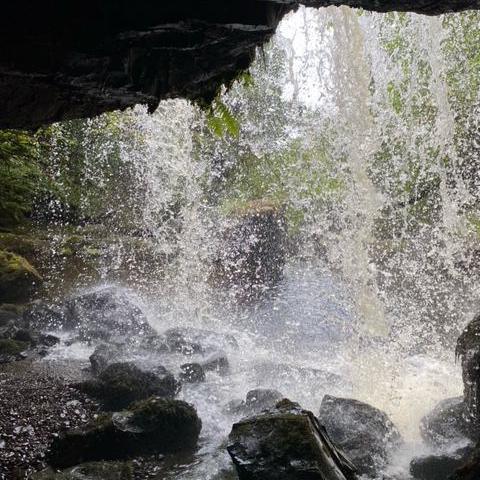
(104, 355)
(208, 339)
(120, 384)
(89, 471)
(177, 341)
(216, 362)
(152, 426)
(363, 432)
(286, 443)
(311, 379)
(192, 373)
(446, 423)
(255, 402)
(105, 313)
(438, 466)
(470, 468)
(468, 349)
(18, 279)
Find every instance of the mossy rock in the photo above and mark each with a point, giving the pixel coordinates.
(90, 471)
(18, 278)
(27, 246)
(12, 347)
(153, 426)
(286, 443)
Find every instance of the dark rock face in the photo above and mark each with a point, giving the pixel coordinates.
(364, 433)
(120, 384)
(446, 423)
(156, 425)
(470, 468)
(468, 349)
(53, 68)
(286, 443)
(438, 467)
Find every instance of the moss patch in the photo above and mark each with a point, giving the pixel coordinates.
(12, 347)
(17, 277)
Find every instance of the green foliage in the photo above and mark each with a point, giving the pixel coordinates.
(67, 170)
(221, 120)
(21, 178)
(295, 177)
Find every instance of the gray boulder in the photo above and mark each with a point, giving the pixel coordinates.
(216, 362)
(104, 355)
(120, 384)
(103, 314)
(468, 349)
(255, 402)
(363, 432)
(253, 256)
(446, 423)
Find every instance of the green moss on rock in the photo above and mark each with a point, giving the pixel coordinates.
(152, 426)
(12, 347)
(17, 277)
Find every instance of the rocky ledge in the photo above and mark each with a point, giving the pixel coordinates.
(67, 59)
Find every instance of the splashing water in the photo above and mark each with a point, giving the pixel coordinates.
(377, 203)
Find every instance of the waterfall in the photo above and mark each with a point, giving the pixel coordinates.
(350, 134)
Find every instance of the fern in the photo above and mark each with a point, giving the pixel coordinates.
(221, 121)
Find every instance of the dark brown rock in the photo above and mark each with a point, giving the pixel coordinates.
(468, 349)
(63, 59)
(286, 443)
(156, 425)
(363, 432)
(120, 384)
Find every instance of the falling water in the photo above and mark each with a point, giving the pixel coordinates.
(377, 288)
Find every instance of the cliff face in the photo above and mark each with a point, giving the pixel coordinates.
(63, 59)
